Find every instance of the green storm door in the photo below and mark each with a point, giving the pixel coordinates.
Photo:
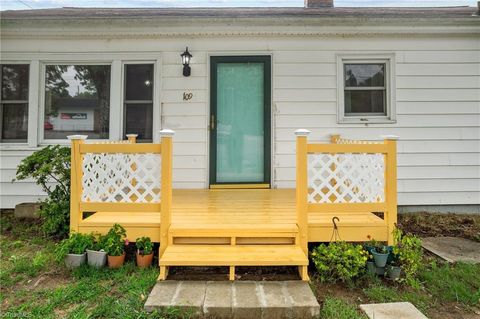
(240, 120)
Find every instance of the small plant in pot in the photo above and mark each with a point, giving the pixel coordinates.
(144, 252)
(393, 270)
(115, 242)
(96, 254)
(72, 250)
(380, 254)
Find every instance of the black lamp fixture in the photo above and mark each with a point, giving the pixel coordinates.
(186, 56)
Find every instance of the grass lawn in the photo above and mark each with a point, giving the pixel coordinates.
(32, 285)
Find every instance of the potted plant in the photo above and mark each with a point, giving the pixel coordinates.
(115, 242)
(96, 254)
(144, 252)
(72, 250)
(393, 270)
(380, 254)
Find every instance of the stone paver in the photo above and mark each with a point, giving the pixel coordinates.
(27, 210)
(393, 310)
(245, 301)
(218, 300)
(161, 295)
(190, 295)
(453, 249)
(238, 299)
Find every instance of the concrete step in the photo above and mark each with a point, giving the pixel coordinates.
(238, 299)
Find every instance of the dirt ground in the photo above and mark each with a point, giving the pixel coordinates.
(439, 225)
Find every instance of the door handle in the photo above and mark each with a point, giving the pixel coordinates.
(212, 122)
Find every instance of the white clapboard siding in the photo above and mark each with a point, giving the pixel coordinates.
(437, 104)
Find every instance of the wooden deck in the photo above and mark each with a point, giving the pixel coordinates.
(250, 215)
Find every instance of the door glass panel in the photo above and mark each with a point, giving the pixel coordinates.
(240, 128)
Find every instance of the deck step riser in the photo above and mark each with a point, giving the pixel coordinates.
(238, 241)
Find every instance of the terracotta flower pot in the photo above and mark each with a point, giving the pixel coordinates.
(116, 261)
(144, 261)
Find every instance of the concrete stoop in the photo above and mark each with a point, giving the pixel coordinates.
(237, 299)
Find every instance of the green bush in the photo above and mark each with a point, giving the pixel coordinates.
(115, 240)
(144, 245)
(408, 252)
(339, 261)
(76, 244)
(50, 168)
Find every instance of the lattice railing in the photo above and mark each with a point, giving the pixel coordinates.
(121, 178)
(346, 176)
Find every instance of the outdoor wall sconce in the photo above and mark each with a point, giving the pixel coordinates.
(186, 56)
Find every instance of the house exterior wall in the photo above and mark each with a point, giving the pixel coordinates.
(437, 103)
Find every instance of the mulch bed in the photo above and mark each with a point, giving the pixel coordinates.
(441, 225)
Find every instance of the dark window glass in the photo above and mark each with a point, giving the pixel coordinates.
(139, 100)
(139, 120)
(14, 121)
(139, 82)
(14, 102)
(77, 101)
(365, 89)
(364, 75)
(361, 102)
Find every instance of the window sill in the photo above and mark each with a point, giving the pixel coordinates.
(366, 121)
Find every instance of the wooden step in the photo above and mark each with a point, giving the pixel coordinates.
(233, 230)
(224, 255)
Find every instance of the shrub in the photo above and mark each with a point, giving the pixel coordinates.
(50, 168)
(408, 252)
(75, 244)
(144, 245)
(339, 261)
(98, 243)
(115, 240)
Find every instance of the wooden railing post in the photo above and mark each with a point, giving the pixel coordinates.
(302, 188)
(166, 185)
(334, 138)
(132, 138)
(75, 180)
(391, 185)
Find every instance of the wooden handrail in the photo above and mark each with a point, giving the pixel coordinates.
(340, 145)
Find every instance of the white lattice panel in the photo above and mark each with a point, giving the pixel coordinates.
(346, 178)
(121, 178)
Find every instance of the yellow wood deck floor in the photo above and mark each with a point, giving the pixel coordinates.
(244, 213)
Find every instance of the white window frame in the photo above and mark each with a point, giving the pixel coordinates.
(6, 144)
(390, 88)
(41, 113)
(156, 112)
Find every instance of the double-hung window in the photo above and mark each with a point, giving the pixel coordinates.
(365, 90)
(138, 100)
(14, 103)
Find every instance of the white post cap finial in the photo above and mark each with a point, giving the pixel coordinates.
(389, 137)
(167, 132)
(302, 132)
(77, 137)
(131, 135)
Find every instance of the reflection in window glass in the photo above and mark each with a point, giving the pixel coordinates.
(14, 102)
(139, 100)
(77, 101)
(365, 89)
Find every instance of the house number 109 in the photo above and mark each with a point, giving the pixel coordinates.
(187, 96)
